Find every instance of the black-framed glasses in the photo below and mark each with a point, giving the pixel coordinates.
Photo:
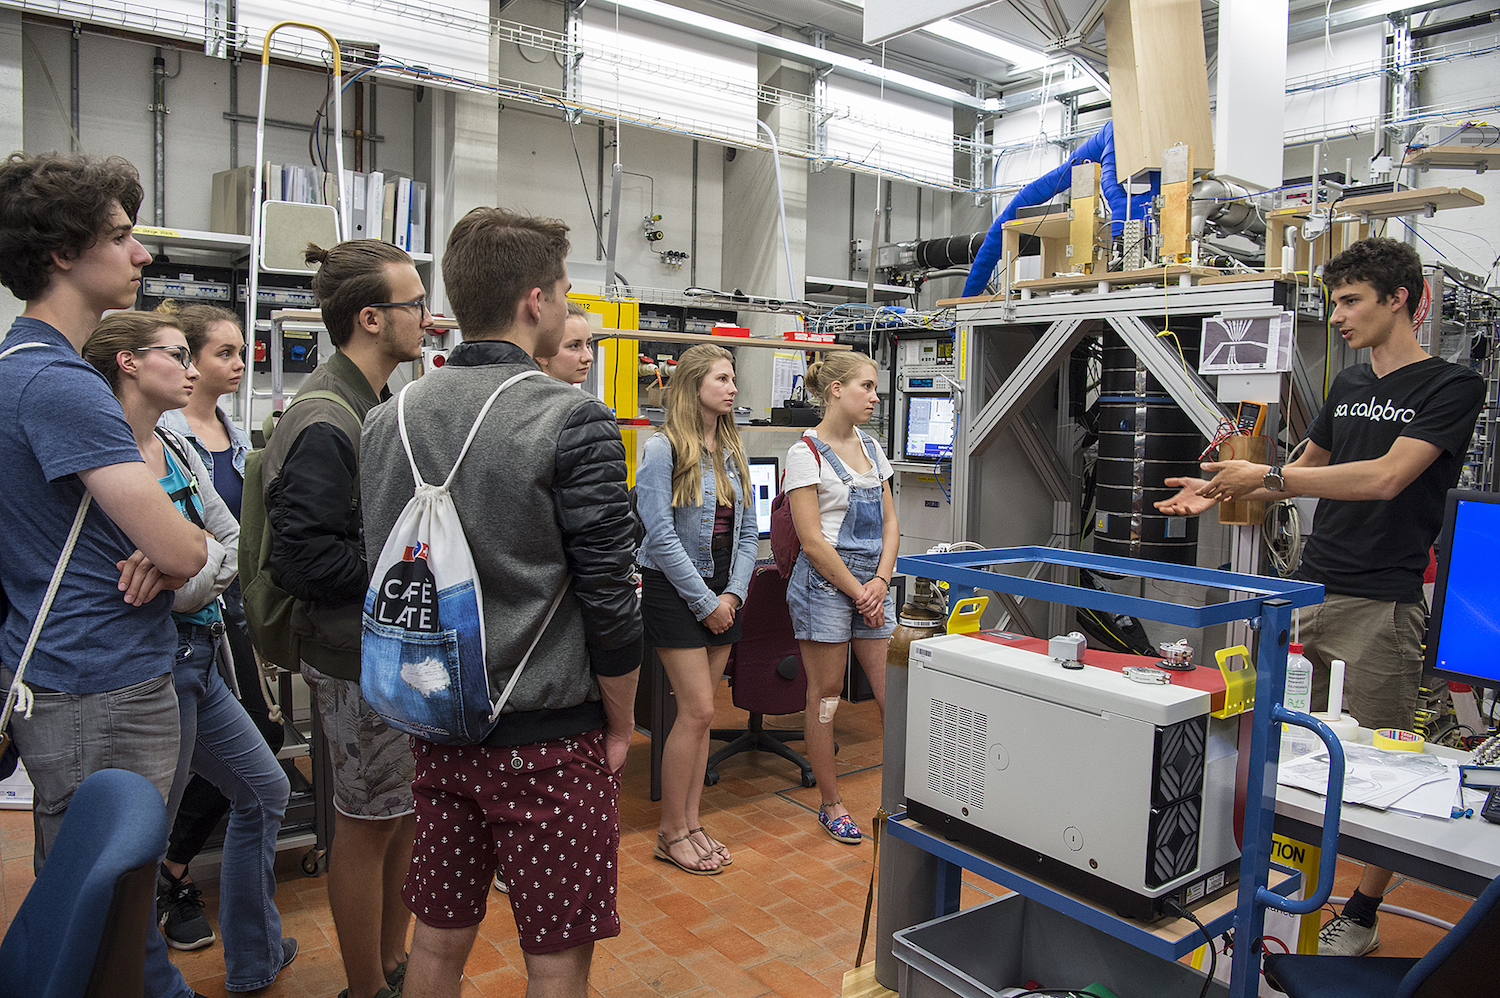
(417, 303)
(183, 355)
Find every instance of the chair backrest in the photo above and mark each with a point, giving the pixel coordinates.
(82, 928)
(1467, 960)
(766, 642)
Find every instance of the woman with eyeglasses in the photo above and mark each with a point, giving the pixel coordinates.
(147, 362)
(215, 337)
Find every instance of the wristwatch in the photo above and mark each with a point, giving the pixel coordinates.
(1274, 480)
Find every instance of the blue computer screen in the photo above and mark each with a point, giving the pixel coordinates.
(930, 421)
(1463, 637)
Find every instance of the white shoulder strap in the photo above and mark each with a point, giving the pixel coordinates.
(473, 430)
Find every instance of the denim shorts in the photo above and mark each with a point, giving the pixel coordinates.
(822, 612)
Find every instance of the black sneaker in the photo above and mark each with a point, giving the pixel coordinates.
(179, 912)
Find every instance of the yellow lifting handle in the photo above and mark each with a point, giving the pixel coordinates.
(1239, 684)
(966, 613)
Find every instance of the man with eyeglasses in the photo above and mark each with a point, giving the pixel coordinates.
(374, 307)
(101, 672)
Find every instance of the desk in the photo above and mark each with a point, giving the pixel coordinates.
(1461, 854)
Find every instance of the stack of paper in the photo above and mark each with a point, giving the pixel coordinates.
(1412, 782)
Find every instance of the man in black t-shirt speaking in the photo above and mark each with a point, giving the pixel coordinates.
(1381, 456)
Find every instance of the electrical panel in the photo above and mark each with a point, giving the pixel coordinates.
(185, 284)
(299, 347)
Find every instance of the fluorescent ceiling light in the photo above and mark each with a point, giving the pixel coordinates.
(1018, 56)
(798, 50)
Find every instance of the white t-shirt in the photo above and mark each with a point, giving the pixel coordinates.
(802, 468)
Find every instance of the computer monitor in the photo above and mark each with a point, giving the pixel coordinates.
(930, 421)
(1463, 631)
(764, 481)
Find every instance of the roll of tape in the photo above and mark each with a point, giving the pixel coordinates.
(1398, 740)
(1344, 726)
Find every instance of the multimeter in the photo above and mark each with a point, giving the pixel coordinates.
(1250, 419)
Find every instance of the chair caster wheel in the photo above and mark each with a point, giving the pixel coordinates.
(808, 779)
(315, 861)
(711, 778)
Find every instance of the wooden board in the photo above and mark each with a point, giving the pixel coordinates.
(1269, 275)
(1171, 930)
(860, 983)
(1476, 158)
(1395, 203)
(1158, 73)
(659, 336)
(1148, 276)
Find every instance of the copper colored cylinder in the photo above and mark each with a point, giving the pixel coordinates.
(1242, 512)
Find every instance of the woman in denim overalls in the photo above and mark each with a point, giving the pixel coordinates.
(838, 485)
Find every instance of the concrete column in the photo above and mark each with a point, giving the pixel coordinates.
(753, 257)
(11, 116)
(462, 135)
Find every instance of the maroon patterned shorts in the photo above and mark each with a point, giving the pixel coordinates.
(548, 813)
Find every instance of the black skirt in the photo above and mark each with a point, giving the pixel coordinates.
(665, 615)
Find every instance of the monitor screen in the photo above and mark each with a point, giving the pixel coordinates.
(764, 480)
(929, 427)
(1463, 631)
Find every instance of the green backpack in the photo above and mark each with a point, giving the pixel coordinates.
(268, 607)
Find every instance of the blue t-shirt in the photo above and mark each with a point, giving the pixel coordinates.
(57, 418)
(180, 486)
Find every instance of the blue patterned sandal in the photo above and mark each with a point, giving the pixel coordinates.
(842, 828)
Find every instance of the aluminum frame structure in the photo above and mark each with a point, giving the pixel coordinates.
(1267, 605)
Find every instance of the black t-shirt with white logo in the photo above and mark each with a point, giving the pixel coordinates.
(1377, 549)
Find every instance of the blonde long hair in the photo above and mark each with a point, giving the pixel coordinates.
(684, 428)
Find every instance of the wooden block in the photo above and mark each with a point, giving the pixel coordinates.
(860, 983)
(1158, 75)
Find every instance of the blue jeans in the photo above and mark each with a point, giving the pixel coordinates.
(222, 744)
(69, 736)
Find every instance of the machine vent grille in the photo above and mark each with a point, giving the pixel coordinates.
(1172, 842)
(957, 737)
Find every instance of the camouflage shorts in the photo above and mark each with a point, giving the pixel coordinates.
(372, 762)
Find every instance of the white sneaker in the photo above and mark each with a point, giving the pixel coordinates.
(1343, 936)
(500, 884)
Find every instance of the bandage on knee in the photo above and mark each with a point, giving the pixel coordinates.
(826, 708)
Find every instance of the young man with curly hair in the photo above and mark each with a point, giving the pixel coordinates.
(101, 673)
(1381, 456)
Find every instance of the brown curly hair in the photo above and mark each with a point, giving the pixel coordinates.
(55, 203)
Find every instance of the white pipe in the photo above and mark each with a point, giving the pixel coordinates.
(786, 241)
(1420, 916)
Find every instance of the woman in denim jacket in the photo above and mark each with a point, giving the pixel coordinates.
(701, 539)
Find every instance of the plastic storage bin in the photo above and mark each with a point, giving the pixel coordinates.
(981, 951)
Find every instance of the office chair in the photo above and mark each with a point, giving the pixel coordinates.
(1465, 962)
(765, 671)
(82, 928)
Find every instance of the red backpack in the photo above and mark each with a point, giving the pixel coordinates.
(785, 544)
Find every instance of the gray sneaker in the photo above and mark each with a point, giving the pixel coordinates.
(1343, 936)
(179, 912)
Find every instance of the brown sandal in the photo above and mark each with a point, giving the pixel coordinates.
(663, 852)
(715, 847)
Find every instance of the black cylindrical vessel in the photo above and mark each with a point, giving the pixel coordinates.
(1144, 439)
